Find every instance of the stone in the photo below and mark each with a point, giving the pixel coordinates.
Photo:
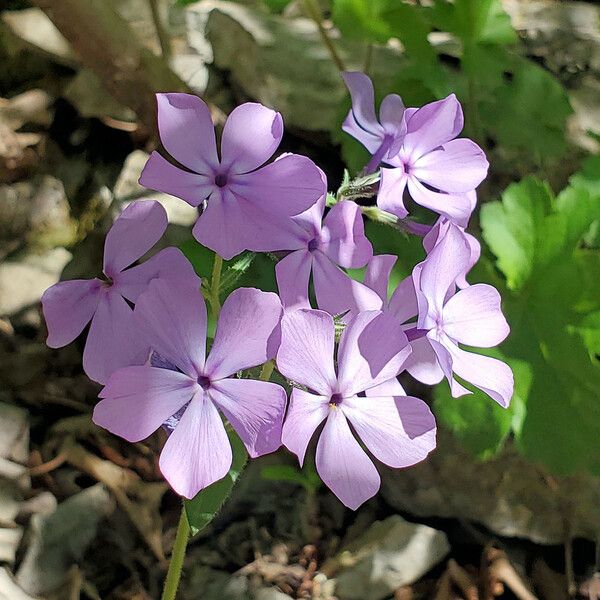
(10, 538)
(390, 554)
(9, 589)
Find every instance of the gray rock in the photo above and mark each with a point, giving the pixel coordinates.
(9, 589)
(22, 283)
(10, 538)
(270, 594)
(507, 494)
(391, 553)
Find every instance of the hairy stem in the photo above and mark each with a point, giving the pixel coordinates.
(215, 286)
(177, 556)
(314, 12)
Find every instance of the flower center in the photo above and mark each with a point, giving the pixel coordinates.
(313, 245)
(203, 382)
(221, 180)
(335, 400)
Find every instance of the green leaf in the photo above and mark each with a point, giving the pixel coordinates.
(202, 509)
(276, 6)
(361, 19)
(307, 477)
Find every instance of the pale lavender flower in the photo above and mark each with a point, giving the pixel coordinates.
(321, 246)
(68, 306)
(381, 137)
(398, 430)
(137, 400)
(243, 198)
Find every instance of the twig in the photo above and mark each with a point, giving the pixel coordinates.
(503, 571)
(462, 580)
(46, 467)
(314, 12)
(161, 32)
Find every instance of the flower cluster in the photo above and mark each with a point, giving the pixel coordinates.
(147, 342)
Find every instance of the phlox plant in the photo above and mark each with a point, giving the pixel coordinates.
(340, 350)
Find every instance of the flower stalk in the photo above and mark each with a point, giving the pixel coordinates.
(177, 557)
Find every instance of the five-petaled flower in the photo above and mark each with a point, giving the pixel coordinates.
(113, 340)
(243, 200)
(137, 400)
(398, 430)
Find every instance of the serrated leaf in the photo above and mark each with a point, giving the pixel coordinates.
(203, 508)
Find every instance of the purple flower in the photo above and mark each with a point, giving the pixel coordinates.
(382, 138)
(68, 306)
(320, 245)
(138, 400)
(243, 199)
(437, 169)
(398, 430)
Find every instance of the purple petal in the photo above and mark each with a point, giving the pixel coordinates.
(293, 275)
(456, 207)
(391, 190)
(400, 432)
(441, 349)
(431, 126)
(343, 236)
(361, 122)
(251, 135)
(391, 387)
(135, 231)
(169, 264)
(221, 227)
(439, 272)
(114, 340)
(255, 410)
(343, 465)
(306, 352)
(458, 166)
(336, 292)
(373, 349)
(198, 451)
(160, 175)
(138, 400)
(403, 303)
(490, 375)
(305, 413)
(68, 307)
(423, 363)
(377, 274)
(247, 320)
(173, 321)
(473, 316)
(187, 131)
(391, 114)
(286, 187)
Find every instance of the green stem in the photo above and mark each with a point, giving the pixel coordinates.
(267, 371)
(314, 12)
(215, 285)
(177, 556)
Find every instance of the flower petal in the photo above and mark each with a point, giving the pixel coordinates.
(432, 125)
(136, 401)
(306, 351)
(377, 274)
(403, 303)
(114, 340)
(286, 187)
(247, 320)
(373, 349)
(400, 431)
(423, 363)
(473, 316)
(440, 346)
(187, 131)
(134, 232)
(173, 322)
(343, 465)
(490, 375)
(198, 451)
(255, 409)
(68, 307)
(456, 207)
(361, 122)
(251, 135)
(221, 227)
(391, 190)
(438, 273)
(305, 413)
(391, 114)
(337, 292)
(160, 175)
(343, 236)
(391, 387)
(169, 264)
(293, 275)
(457, 166)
